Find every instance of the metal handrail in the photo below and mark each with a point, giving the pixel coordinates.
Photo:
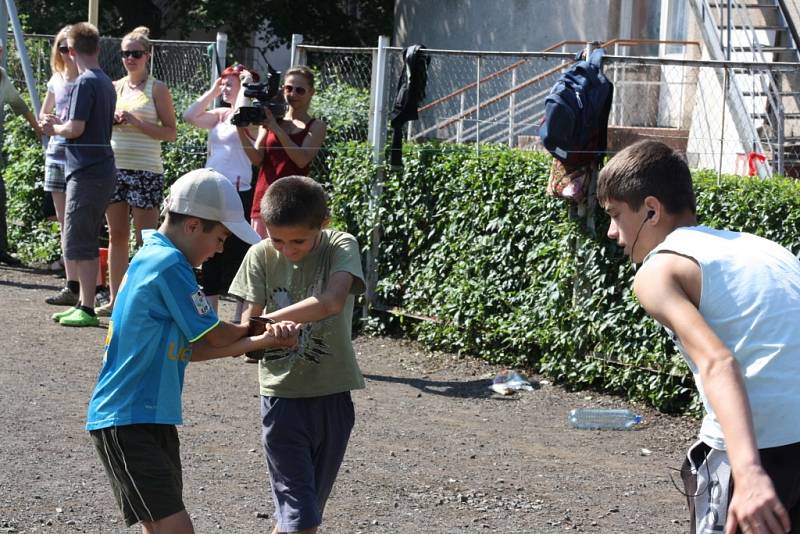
(481, 105)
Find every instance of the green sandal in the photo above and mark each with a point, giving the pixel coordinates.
(58, 315)
(79, 318)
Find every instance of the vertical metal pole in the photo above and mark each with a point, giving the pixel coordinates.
(4, 61)
(460, 126)
(615, 76)
(722, 133)
(296, 56)
(728, 31)
(781, 138)
(376, 188)
(94, 12)
(19, 37)
(478, 106)
(380, 118)
(512, 101)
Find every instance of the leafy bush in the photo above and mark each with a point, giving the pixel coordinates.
(35, 239)
(472, 240)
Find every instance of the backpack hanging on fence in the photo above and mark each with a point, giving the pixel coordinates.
(575, 125)
(410, 92)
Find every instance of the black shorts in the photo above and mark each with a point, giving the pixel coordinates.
(143, 464)
(218, 272)
(709, 502)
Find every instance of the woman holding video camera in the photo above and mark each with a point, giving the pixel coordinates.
(227, 156)
(285, 146)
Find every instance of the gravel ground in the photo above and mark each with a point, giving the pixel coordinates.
(433, 449)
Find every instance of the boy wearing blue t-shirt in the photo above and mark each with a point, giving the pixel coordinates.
(310, 275)
(161, 321)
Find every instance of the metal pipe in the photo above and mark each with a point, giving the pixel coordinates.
(19, 38)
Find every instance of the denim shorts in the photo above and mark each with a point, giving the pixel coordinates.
(305, 441)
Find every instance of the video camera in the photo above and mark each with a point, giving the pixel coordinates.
(267, 95)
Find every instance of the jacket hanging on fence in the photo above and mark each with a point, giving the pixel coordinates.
(410, 92)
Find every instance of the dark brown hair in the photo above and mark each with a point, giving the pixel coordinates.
(648, 168)
(295, 201)
(175, 219)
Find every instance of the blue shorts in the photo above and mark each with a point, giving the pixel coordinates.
(304, 441)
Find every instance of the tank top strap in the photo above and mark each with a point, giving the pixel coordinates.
(148, 87)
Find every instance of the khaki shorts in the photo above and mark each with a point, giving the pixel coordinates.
(143, 463)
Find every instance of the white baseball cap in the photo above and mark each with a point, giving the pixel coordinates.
(207, 194)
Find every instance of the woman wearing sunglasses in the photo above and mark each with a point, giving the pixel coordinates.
(144, 117)
(227, 156)
(287, 146)
(56, 102)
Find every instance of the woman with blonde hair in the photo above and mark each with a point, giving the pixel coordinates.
(144, 117)
(56, 102)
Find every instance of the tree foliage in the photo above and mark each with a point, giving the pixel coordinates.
(320, 21)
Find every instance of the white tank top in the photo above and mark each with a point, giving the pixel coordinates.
(227, 156)
(750, 297)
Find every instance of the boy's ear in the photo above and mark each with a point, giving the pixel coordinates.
(325, 222)
(191, 224)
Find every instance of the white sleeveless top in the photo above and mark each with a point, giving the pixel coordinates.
(133, 150)
(750, 298)
(227, 156)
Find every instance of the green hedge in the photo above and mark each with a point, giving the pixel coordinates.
(472, 240)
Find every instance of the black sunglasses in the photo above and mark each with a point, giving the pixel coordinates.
(63, 49)
(300, 91)
(137, 54)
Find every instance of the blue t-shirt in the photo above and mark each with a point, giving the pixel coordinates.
(159, 312)
(92, 100)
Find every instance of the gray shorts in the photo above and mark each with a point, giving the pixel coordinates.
(55, 180)
(305, 441)
(87, 195)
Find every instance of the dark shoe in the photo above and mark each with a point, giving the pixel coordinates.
(9, 260)
(64, 297)
(102, 299)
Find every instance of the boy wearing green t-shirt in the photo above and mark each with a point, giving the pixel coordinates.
(310, 275)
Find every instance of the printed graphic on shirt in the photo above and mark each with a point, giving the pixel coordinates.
(200, 302)
(107, 341)
(310, 346)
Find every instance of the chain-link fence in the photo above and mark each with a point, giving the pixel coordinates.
(721, 114)
(184, 66)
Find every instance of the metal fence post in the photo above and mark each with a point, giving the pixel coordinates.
(781, 138)
(512, 101)
(3, 63)
(725, 84)
(297, 56)
(19, 37)
(378, 141)
(478, 105)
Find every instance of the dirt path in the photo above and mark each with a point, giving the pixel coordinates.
(433, 449)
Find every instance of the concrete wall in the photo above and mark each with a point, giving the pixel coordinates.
(504, 25)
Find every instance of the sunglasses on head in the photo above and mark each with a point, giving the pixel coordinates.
(137, 54)
(63, 49)
(300, 91)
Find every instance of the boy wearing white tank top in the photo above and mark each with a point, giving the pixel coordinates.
(730, 301)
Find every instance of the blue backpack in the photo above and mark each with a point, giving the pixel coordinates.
(575, 124)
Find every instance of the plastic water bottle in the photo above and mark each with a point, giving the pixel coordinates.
(603, 419)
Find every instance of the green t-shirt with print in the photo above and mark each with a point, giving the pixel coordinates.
(324, 362)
